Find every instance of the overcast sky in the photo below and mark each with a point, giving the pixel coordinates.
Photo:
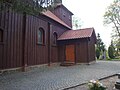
(91, 13)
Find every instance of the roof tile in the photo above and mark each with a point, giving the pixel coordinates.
(55, 18)
(75, 34)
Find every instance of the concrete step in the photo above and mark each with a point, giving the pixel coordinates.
(67, 64)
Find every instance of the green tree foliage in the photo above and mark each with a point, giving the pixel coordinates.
(111, 52)
(97, 53)
(118, 47)
(28, 6)
(100, 44)
(112, 16)
(116, 43)
(76, 22)
(100, 47)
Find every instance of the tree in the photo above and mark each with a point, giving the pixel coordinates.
(116, 44)
(76, 22)
(111, 52)
(100, 47)
(112, 16)
(28, 6)
(97, 53)
(100, 44)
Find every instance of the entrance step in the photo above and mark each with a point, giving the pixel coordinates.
(67, 64)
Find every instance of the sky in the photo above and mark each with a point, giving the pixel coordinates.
(91, 14)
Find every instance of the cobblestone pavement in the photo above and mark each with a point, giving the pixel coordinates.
(57, 77)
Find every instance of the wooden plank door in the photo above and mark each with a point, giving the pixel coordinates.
(70, 53)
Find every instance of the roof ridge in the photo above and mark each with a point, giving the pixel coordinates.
(84, 28)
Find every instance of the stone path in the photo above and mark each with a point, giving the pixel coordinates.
(56, 77)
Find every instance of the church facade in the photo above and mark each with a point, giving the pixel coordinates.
(48, 38)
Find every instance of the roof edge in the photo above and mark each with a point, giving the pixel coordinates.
(65, 25)
(90, 31)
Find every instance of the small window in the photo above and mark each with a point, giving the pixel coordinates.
(1, 35)
(41, 36)
(55, 38)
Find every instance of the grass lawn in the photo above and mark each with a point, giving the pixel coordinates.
(110, 59)
(115, 59)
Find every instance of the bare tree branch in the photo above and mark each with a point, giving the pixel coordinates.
(112, 15)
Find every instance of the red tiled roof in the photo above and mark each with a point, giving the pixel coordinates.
(55, 18)
(75, 34)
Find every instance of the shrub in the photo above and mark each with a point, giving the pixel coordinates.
(97, 53)
(96, 85)
(111, 52)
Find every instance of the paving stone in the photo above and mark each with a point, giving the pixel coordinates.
(57, 77)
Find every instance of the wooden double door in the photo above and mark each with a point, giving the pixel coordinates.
(70, 53)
